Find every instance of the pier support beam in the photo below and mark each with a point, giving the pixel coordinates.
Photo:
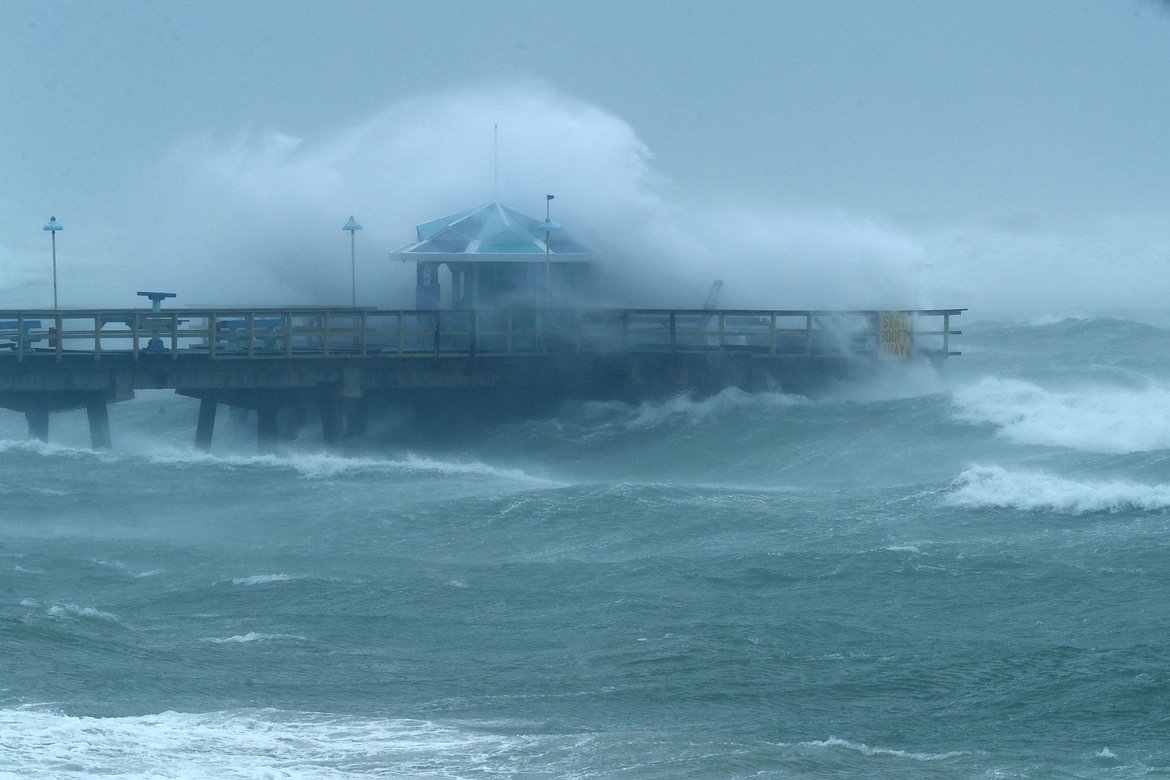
(206, 425)
(99, 424)
(38, 424)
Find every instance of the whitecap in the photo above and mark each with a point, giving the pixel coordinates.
(992, 486)
(860, 747)
(253, 636)
(86, 613)
(126, 569)
(263, 579)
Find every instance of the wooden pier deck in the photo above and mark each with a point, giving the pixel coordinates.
(339, 361)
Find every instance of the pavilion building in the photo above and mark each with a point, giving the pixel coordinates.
(498, 258)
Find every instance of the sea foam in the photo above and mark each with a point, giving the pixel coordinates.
(992, 486)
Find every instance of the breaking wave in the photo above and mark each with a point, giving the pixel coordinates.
(995, 487)
(1101, 419)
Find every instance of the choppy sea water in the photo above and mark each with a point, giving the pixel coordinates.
(937, 573)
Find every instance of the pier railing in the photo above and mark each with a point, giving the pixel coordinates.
(274, 333)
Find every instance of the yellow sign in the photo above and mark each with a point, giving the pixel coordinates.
(894, 335)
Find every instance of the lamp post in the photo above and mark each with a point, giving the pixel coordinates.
(353, 227)
(53, 226)
(548, 228)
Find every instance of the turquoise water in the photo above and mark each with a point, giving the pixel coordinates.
(958, 573)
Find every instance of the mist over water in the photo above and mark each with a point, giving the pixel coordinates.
(886, 581)
(253, 217)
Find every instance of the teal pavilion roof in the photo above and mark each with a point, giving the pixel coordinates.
(492, 233)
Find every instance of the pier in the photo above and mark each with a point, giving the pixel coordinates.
(286, 364)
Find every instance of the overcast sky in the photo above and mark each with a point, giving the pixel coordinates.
(1008, 156)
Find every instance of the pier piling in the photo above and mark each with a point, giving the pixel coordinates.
(38, 424)
(99, 424)
(206, 425)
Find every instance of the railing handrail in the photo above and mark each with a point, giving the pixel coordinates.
(305, 331)
(303, 310)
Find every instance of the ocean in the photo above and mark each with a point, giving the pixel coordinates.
(959, 571)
